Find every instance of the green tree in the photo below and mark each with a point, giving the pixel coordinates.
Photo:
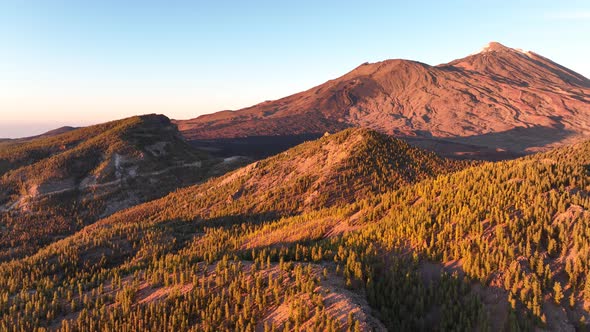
(557, 292)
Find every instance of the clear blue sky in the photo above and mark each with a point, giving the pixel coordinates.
(81, 62)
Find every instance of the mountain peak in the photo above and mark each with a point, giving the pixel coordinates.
(494, 46)
(504, 88)
(497, 47)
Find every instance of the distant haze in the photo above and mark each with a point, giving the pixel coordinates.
(17, 130)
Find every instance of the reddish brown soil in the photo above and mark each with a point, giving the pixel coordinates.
(502, 99)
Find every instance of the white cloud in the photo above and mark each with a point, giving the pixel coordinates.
(571, 15)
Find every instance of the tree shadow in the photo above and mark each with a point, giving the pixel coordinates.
(507, 144)
(456, 150)
(504, 145)
(519, 139)
(256, 147)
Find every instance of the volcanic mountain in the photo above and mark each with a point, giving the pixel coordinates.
(498, 102)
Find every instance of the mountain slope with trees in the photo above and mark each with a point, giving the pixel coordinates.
(494, 246)
(53, 185)
(330, 171)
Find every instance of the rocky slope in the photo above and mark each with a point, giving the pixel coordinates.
(500, 99)
(53, 184)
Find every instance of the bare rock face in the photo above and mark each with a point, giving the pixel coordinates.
(500, 100)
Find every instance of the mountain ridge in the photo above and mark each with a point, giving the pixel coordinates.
(51, 185)
(494, 92)
(333, 170)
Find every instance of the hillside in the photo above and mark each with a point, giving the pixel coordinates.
(333, 170)
(306, 178)
(495, 104)
(494, 246)
(54, 184)
(519, 228)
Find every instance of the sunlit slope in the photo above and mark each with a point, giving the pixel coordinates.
(54, 185)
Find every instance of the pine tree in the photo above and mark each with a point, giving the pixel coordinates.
(557, 292)
(587, 288)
